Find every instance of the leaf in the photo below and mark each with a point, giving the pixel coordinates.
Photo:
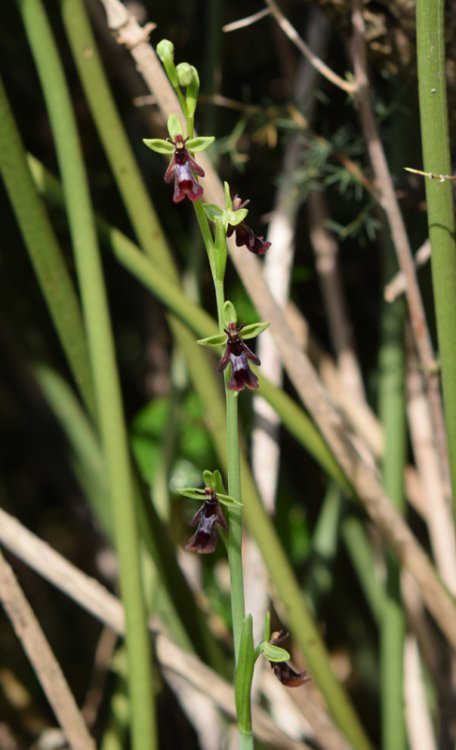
(252, 330)
(214, 341)
(274, 653)
(244, 676)
(159, 145)
(200, 144)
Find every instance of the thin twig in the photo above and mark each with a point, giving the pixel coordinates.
(398, 284)
(419, 724)
(247, 21)
(314, 60)
(47, 669)
(399, 235)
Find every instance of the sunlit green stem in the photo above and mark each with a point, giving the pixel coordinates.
(440, 200)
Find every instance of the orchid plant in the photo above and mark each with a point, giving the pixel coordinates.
(216, 224)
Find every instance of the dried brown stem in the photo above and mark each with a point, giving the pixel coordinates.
(47, 669)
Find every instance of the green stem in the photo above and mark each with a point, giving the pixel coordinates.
(235, 531)
(392, 412)
(440, 199)
(103, 361)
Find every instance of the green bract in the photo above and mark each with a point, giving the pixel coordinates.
(159, 145)
(215, 341)
(213, 212)
(174, 127)
(252, 330)
(229, 313)
(200, 143)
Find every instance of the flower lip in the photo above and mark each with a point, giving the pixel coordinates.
(282, 669)
(244, 235)
(206, 518)
(183, 168)
(238, 355)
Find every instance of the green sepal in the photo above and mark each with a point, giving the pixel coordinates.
(229, 501)
(252, 330)
(174, 127)
(201, 143)
(214, 480)
(194, 493)
(214, 341)
(229, 313)
(165, 51)
(233, 218)
(274, 653)
(227, 193)
(159, 145)
(244, 676)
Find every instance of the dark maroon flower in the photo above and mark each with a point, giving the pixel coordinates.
(282, 670)
(244, 234)
(237, 354)
(182, 168)
(204, 540)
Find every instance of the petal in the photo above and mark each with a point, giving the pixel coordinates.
(287, 675)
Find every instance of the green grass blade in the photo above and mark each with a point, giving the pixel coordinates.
(109, 406)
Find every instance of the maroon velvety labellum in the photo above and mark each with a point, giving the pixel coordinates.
(238, 354)
(182, 169)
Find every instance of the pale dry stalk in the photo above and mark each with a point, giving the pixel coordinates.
(43, 661)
